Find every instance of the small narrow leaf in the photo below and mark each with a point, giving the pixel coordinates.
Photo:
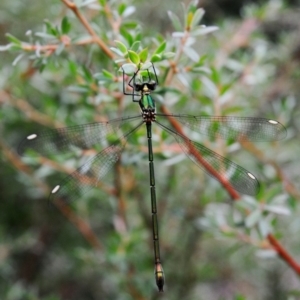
(215, 76)
(197, 17)
(17, 59)
(126, 34)
(178, 34)
(60, 49)
(117, 51)
(253, 218)
(121, 47)
(202, 30)
(45, 35)
(161, 48)
(5, 47)
(156, 58)
(121, 8)
(86, 3)
(87, 74)
(13, 39)
(143, 55)
(73, 67)
(134, 57)
(264, 227)
(189, 20)
(191, 53)
(175, 21)
(65, 25)
(128, 11)
(107, 74)
(135, 46)
(51, 29)
(193, 6)
(146, 66)
(128, 68)
(278, 209)
(167, 55)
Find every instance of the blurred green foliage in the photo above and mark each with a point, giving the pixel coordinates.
(56, 73)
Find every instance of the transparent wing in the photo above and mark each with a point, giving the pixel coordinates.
(227, 127)
(80, 136)
(84, 137)
(212, 163)
(87, 176)
(90, 173)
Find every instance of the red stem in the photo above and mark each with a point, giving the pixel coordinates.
(283, 253)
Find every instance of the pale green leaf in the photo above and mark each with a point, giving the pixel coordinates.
(133, 56)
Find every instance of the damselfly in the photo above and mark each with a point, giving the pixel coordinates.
(110, 137)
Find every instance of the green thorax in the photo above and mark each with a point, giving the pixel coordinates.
(147, 102)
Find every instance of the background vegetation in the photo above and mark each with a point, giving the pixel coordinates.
(58, 69)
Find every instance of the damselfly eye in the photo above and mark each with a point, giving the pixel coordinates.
(151, 85)
(138, 86)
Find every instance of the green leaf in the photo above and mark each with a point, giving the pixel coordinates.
(73, 68)
(87, 74)
(193, 6)
(215, 76)
(107, 74)
(130, 25)
(126, 35)
(225, 88)
(189, 20)
(13, 39)
(65, 25)
(121, 8)
(121, 47)
(51, 29)
(143, 55)
(134, 57)
(155, 58)
(135, 46)
(161, 48)
(102, 2)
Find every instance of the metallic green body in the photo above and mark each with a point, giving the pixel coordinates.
(147, 102)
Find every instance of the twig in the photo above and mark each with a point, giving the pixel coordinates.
(53, 47)
(79, 223)
(284, 254)
(88, 27)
